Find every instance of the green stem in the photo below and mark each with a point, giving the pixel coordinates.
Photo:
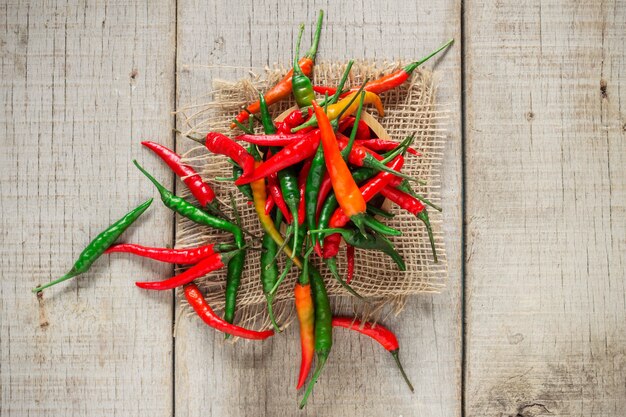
(296, 67)
(346, 151)
(396, 357)
(344, 78)
(312, 53)
(56, 281)
(423, 216)
(411, 67)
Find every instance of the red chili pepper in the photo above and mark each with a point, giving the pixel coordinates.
(368, 191)
(223, 145)
(350, 263)
(302, 176)
(321, 89)
(269, 204)
(205, 266)
(200, 190)
(362, 131)
(275, 191)
(196, 300)
(413, 206)
(288, 156)
(278, 139)
(379, 333)
(325, 187)
(173, 256)
(383, 145)
(295, 118)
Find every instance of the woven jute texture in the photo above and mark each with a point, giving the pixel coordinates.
(410, 109)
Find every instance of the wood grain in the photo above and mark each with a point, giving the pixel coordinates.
(81, 84)
(217, 378)
(546, 203)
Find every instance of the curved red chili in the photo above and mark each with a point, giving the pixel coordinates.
(223, 145)
(201, 307)
(205, 266)
(384, 145)
(350, 263)
(302, 176)
(200, 190)
(173, 256)
(380, 334)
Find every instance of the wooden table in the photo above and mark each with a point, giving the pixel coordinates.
(533, 320)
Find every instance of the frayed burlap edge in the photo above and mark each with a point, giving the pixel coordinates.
(409, 109)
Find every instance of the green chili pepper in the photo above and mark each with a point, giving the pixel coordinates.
(312, 189)
(193, 213)
(323, 328)
(301, 84)
(269, 269)
(375, 211)
(100, 244)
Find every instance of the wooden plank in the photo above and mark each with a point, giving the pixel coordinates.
(546, 201)
(216, 378)
(82, 83)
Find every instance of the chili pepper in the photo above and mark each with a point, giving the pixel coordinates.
(99, 245)
(245, 188)
(306, 319)
(260, 196)
(291, 154)
(173, 256)
(205, 266)
(347, 192)
(312, 189)
(269, 269)
(193, 213)
(344, 108)
(201, 307)
(404, 186)
(413, 206)
(269, 203)
(375, 211)
(322, 89)
(219, 144)
(294, 119)
(302, 179)
(383, 145)
(349, 262)
(362, 130)
(291, 194)
(371, 241)
(278, 139)
(347, 150)
(282, 90)
(301, 84)
(277, 194)
(199, 189)
(379, 333)
(395, 79)
(323, 329)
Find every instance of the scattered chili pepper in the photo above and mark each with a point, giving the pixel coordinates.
(301, 84)
(413, 206)
(277, 139)
(202, 268)
(282, 90)
(173, 256)
(323, 329)
(306, 318)
(201, 307)
(193, 213)
(379, 333)
(384, 145)
(99, 245)
(199, 189)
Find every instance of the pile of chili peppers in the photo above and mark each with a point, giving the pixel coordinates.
(315, 176)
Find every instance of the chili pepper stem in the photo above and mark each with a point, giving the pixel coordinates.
(282, 277)
(346, 151)
(312, 53)
(321, 361)
(423, 216)
(332, 267)
(270, 312)
(380, 227)
(411, 67)
(56, 281)
(396, 357)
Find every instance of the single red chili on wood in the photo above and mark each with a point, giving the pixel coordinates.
(379, 333)
(201, 307)
(173, 256)
(206, 265)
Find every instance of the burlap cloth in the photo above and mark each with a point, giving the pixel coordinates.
(408, 109)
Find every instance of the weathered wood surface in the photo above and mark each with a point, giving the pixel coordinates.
(546, 208)
(82, 83)
(216, 378)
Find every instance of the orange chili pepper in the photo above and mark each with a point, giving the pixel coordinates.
(346, 190)
(306, 318)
